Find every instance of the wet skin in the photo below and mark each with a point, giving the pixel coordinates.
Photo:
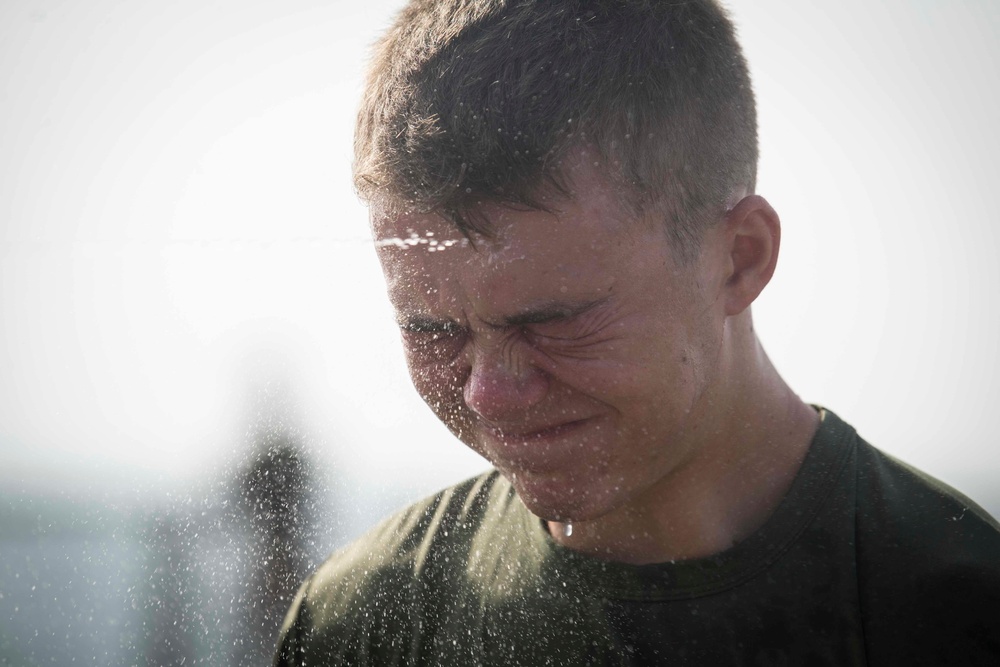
(570, 348)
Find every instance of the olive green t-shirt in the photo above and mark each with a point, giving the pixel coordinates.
(866, 561)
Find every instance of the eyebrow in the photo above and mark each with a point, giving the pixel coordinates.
(545, 312)
(548, 312)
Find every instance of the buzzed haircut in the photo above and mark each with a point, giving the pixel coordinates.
(473, 100)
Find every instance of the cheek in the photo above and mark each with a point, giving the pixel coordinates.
(440, 385)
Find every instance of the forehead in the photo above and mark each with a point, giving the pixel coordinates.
(589, 205)
(536, 263)
(587, 225)
(583, 244)
(526, 251)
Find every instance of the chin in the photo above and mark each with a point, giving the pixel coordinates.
(552, 499)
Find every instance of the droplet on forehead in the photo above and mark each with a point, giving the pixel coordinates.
(415, 239)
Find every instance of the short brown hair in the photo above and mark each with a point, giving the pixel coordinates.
(469, 100)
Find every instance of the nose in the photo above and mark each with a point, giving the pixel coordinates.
(502, 383)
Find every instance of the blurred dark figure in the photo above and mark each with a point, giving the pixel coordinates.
(170, 611)
(274, 493)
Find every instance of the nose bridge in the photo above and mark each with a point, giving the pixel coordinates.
(502, 380)
(496, 357)
(499, 347)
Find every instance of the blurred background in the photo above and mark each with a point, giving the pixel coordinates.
(201, 391)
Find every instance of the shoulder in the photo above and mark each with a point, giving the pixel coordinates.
(906, 508)
(366, 599)
(928, 561)
(407, 545)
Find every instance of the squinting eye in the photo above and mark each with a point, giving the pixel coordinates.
(432, 341)
(434, 330)
(422, 327)
(555, 331)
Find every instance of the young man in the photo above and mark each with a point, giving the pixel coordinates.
(562, 194)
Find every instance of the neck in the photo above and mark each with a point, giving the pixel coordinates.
(736, 477)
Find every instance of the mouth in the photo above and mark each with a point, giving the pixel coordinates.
(537, 447)
(535, 434)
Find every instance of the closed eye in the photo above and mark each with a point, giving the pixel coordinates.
(562, 330)
(427, 341)
(426, 326)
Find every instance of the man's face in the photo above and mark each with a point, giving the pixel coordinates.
(569, 349)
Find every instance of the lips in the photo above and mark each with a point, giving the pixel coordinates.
(540, 433)
(536, 447)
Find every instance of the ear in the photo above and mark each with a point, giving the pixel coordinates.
(753, 236)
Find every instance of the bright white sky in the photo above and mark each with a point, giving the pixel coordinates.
(182, 256)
